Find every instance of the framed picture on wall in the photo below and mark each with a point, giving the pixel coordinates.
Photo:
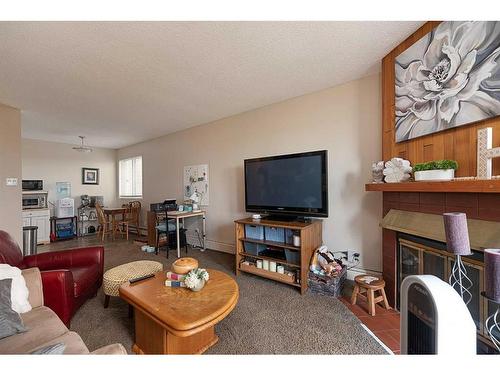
(90, 176)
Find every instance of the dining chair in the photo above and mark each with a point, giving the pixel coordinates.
(105, 225)
(125, 221)
(135, 215)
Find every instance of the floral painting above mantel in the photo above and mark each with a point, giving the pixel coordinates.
(448, 78)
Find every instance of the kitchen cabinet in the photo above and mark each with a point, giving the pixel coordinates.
(39, 217)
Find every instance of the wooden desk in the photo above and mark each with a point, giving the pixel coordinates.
(176, 320)
(178, 216)
(181, 215)
(113, 212)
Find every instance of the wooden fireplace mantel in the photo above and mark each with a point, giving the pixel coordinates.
(461, 186)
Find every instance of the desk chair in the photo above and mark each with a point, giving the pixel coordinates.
(170, 232)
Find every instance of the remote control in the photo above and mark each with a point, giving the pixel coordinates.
(131, 281)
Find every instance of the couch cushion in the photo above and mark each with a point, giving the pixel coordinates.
(50, 349)
(10, 321)
(34, 283)
(84, 278)
(10, 252)
(73, 342)
(42, 325)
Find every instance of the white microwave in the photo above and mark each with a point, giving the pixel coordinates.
(34, 199)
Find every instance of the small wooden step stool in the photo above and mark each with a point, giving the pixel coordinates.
(365, 286)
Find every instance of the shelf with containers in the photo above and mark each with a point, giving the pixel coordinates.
(87, 221)
(273, 241)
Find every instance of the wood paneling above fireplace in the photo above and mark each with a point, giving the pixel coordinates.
(458, 144)
(480, 206)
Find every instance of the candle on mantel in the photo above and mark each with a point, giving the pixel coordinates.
(492, 274)
(457, 233)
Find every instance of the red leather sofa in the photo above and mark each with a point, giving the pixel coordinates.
(69, 277)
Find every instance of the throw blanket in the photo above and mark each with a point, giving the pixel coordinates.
(19, 291)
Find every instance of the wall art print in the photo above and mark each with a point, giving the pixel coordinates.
(196, 182)
(449, 78)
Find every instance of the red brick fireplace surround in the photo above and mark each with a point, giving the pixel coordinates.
(481, 206)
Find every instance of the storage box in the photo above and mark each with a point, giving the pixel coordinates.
(292, 256)
(253, 248)
(327, 286)
(289, 236)
(275, 234)
(255, 232)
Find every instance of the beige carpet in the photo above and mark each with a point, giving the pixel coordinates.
(270, 318)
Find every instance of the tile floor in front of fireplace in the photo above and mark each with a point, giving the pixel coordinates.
(384, 325)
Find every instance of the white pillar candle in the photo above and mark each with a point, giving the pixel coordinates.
(259, 264)
(280, 269)
(296, 240)
(272, 266)
(265, 264)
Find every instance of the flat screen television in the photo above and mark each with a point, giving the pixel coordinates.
(288, 185)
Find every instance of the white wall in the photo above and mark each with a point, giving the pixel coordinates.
(345, 120)
(58, 162)
(10, 166)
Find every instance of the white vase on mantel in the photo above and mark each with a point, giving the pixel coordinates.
(435, 175)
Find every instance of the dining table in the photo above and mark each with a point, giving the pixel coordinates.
(113, 212)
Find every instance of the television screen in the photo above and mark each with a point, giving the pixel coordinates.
(293, 184)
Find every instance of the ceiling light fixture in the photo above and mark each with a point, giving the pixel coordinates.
(82, 147)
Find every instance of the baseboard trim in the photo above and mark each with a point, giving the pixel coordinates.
(223, 247)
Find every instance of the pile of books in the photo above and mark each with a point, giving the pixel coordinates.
(175, 280)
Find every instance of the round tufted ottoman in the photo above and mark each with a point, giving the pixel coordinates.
(115, 277)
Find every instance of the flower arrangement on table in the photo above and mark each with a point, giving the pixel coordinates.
(196, 279)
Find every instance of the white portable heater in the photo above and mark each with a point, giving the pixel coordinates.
(65, 207)
(434, 319)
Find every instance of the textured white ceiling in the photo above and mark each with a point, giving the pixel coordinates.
(120, 83)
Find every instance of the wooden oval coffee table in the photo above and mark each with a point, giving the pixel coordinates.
(176, 320)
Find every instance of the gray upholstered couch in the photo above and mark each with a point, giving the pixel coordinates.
(45, 328)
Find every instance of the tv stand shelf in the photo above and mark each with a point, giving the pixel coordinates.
(271, 243)
(277, 260)
(310, 239)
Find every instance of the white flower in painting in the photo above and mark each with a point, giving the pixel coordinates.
(449, 78)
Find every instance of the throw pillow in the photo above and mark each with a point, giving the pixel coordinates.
(19, 291)
(51, 349)
(10, 321)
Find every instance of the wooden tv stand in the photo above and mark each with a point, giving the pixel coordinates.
(310, 240)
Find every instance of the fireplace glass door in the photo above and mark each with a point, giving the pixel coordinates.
(410, 263)
(475, 274)
(417, 259)
(492, 308)
(434, 264)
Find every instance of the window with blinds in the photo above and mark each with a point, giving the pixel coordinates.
(130, 177)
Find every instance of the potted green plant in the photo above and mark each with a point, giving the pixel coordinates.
(439, 170)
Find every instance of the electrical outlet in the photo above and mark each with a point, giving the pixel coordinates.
(11, 181)
(344, 255)
(351, 256)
